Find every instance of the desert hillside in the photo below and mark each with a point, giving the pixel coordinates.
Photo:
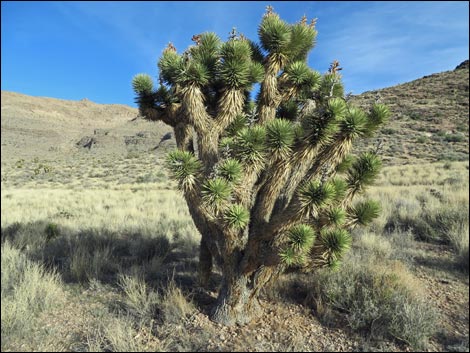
(429, 123)
(429, 118)
(53, 128)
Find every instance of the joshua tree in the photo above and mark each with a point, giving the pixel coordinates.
(269, 182)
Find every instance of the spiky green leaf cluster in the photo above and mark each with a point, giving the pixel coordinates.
(235, 65)
(322, 125)
(335, 242)
(240, 122)
(345, 164)
(301, 237)
(280, 137)
(231, 170)
(184, 167)
(194, 73)
(288, 110)
(171, 66)
(207, 52)
(363, 171)
(274, 34)
(297, 73)
(335, 216)
(142, 84)
(364, 212)
(331, 86)
(250, 145)
(340, 189)
(289, 256)
(215, 192)
(378, 115)
(300, 76)
(314, 195)
(256, 72)
(237, 216)
(302, 41)
(354, 123)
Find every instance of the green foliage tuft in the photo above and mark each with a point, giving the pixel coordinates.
(216, 191)
(297, 73)
(289, 256)
(321, 126)
(340, 188)
(250, 145)
(184, 167)
(302, 41)
(194, 73)
(335, 216)
(363, 171)
(280, 137)
(378, 115)
(240, 122)
(171, 66)
(256, 72)
(235, 74)
(336, 242)
(207, 52)
(142, 84)
(345, 164)
(274, 34)
(236, 50)
(314, 195)
(331, 86)
(237, 216)
(354, 123)
(301, 237)
(364, 212)
(236, 69)
(231, 170)
(336, 109)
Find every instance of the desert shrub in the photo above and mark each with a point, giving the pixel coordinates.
(454, 138)
(175, 307)
(380, 301)
(52, 231)
(421, 139)
(414, 116)
(389, 131)
(121, 334)
(459, 239)
(447, 165)
(140, 300)
(421, 229)
(27, 290)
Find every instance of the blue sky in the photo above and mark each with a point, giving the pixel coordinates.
(75, 50)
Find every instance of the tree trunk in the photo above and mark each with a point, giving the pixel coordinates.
(238, 301)
(205, 264)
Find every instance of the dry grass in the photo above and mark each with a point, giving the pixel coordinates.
(27, 291)
(127, 250)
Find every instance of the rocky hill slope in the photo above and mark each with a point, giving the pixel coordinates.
(430, 117)
(54, 128)
(429, 122)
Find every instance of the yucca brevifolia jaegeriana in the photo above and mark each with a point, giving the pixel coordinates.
(269, 182)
